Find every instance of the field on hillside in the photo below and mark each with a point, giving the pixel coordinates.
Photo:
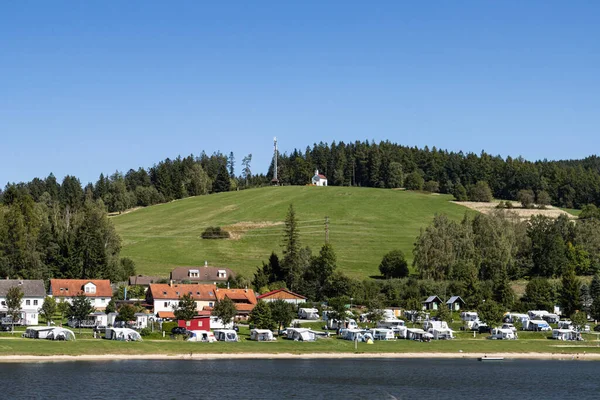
(365, 224)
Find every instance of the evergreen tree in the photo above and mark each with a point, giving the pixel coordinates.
(48, 309)
(595, 297)
(569, 293)
(503, 293)
(491, 313)
(291, 250)
(282, 313)
(222, 181)
(261, 317)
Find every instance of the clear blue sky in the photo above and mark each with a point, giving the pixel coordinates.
(90, 87)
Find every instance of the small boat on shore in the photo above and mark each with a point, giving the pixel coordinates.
(486, 358)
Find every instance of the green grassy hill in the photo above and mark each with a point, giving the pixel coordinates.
(365, 223)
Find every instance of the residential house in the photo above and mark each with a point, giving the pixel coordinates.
(432, 303)
(244, 299)
(282, 294)
(164, 296)
(33, 298)
(97, 290)
(455, 303)
(198, 323)
(205, 274)
(319, 179)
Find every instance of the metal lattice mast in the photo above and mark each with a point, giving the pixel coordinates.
(275, 160)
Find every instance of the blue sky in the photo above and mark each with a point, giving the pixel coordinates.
(90, 87)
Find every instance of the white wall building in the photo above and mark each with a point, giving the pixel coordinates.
(319, 179)
(33, 298)
(97, 290)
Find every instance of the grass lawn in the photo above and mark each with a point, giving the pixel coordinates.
(365, 223)
(19, 346)
(572, 211)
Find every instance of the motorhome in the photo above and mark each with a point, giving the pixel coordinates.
(37, 332)
(226, 335)
(300, 334)
(469, 316)
(515, 317)
(308, 313)
(382, 334)
(502, 334)
(201, 336)
(566, 334)
(536, 325)
(427, 325)
(537, 314)
(261, 335)
(393, 324)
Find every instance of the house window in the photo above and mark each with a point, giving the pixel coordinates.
(35, 302)
(210, 304)
(3, 303)
(165, 293)
(166, 304)
(102, 300)
(27, 302)
(193, 273)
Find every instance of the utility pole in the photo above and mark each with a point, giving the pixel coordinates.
(275, 181)
(326, 229)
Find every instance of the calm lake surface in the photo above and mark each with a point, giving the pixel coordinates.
(302, 379)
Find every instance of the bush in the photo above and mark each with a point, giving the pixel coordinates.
(480, 192)
(215, 232)
(431, 186)
(167, 326)
(145, 332)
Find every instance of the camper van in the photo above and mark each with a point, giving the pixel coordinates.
(515, 317)
(469, 316)
(226, 335)
(308, 313)
(427, 325)
(502, 334)
(537, 314)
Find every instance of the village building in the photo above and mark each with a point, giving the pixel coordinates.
(319, 179)
(282, 294)
(33, 298)
(244, 299)
(455, 303)
(205, 274)
(432, 303)
(164, 296)
(98, 291)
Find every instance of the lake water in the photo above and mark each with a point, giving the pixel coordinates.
(302, 379)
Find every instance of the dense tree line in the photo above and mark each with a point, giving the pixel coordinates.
(65, 234)
(388, 165)
(485, 246)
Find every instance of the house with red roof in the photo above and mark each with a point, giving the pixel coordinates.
(282, 294)
(319, 179)
(164, 296)
(244, 299)
(97, 290)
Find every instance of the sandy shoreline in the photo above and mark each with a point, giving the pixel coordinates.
(275, 356)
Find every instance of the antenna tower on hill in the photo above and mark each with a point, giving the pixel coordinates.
(275, 181)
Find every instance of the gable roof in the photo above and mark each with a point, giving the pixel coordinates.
(199, 292)
(206, 274)
(432, 299)
(238, 295)
(281, 294)
(144, 280)
(72, 287)
(30, 288)
(454, 299)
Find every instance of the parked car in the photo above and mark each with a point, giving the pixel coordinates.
(178, 330)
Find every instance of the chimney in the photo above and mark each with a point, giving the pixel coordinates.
(316, 172)
(205, 264)
(171, 283)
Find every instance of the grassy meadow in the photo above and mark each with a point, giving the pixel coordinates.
(365, 223)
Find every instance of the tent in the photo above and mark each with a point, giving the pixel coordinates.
(201, 336)
(301, 334)
(61, 334)
(226, 335)
(125, 334)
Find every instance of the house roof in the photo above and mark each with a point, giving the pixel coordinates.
(431, 299)
(72, 287)
(30, 288)
(206, 274)
(205, 292)
(454, 299)
(238, 295)
(166, 314)
(281, 294)
(144, 280)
